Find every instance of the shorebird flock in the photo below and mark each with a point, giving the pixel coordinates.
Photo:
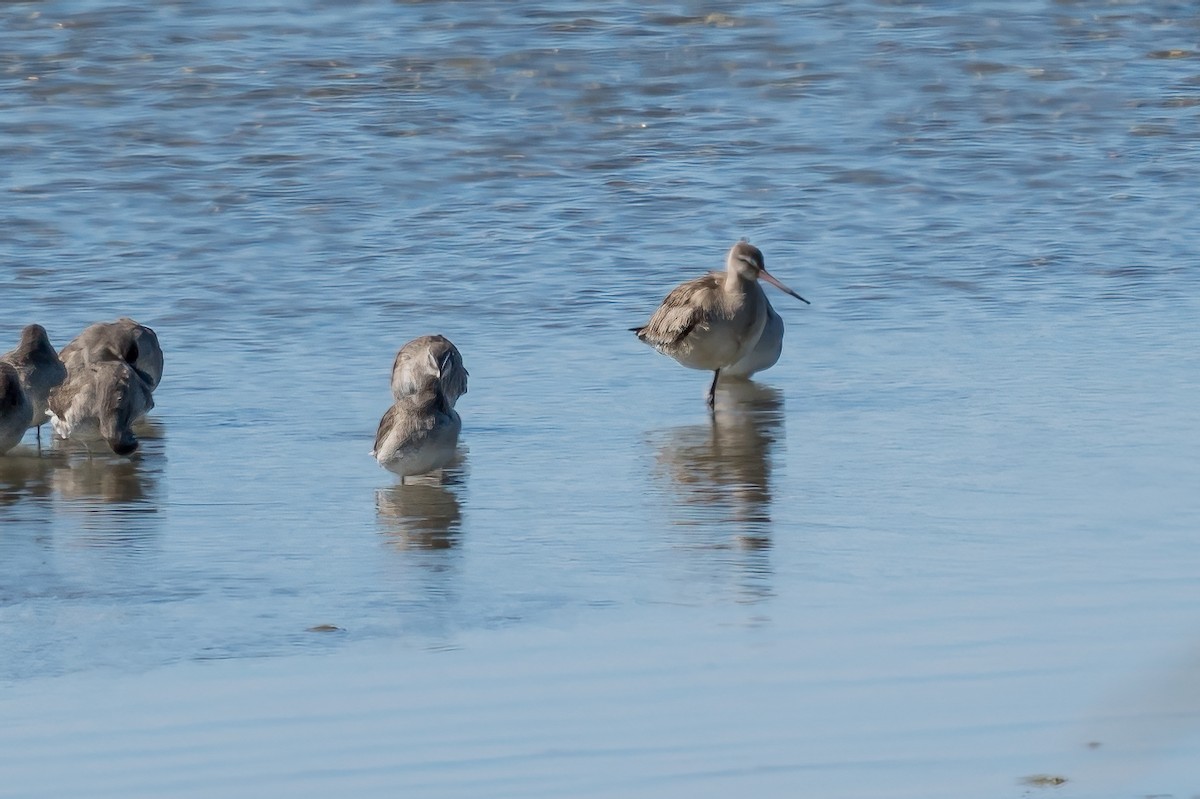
(94, 390)
(103, 381)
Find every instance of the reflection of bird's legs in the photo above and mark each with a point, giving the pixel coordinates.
(712, 389)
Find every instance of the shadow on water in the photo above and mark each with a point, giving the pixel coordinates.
(719, 475)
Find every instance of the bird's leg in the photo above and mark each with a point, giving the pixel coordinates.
(39, 438)
(712, 390)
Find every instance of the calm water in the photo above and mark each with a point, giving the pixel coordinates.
(946, 544)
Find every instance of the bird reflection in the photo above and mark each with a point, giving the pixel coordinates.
(150, 428)
(117, 498)
(720, 476)
(114, 501)
(419, 515)
(25, 473)
(112, 481)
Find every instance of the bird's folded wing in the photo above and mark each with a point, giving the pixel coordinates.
(684, 309)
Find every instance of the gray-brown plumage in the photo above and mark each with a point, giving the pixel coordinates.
(40, 370)
(115, 341)
(715, 321)
(15, 408)
(765, 353)
(421, 357)
(101, 401)
(419, 433)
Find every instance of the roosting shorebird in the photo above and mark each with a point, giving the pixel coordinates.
(722, 321)
(112, 370)
(39, 368)
(15, 408)
(111, 341)
(101, 401)
(419, 433)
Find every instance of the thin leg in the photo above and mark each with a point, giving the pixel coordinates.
(712, 390)
(39, 437)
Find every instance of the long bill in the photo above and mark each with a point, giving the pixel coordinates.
(765, 275)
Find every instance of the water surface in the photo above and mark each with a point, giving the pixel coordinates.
(946, 544)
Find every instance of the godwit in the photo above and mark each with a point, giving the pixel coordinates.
(40, 370)
(112, 341)
(419, 433)
(15, 408)
(101, 401)
(420, 357)
(715, 322)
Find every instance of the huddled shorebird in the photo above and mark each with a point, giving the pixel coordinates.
(101, 401)
(15, 408)
(419, 433)
(721, 322)
(117, 341)
(112, 371)
(39, 368)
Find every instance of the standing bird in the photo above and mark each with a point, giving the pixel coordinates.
(419, 433)
(101, 401)
(40, 370)
(717, 322)
(15, 408)
(112, 341)
(412, 364)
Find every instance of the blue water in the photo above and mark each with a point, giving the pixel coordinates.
(937, 549)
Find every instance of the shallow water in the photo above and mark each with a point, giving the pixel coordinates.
(944, 545)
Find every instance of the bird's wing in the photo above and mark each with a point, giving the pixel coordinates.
(385, 427)
(684, 309)
(410, 430)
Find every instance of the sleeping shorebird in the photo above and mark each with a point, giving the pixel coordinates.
(717, 322)
(101, 401)
(115, 341)
(15, 408)
(419, 433)
(40, 369)
(412, 364)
